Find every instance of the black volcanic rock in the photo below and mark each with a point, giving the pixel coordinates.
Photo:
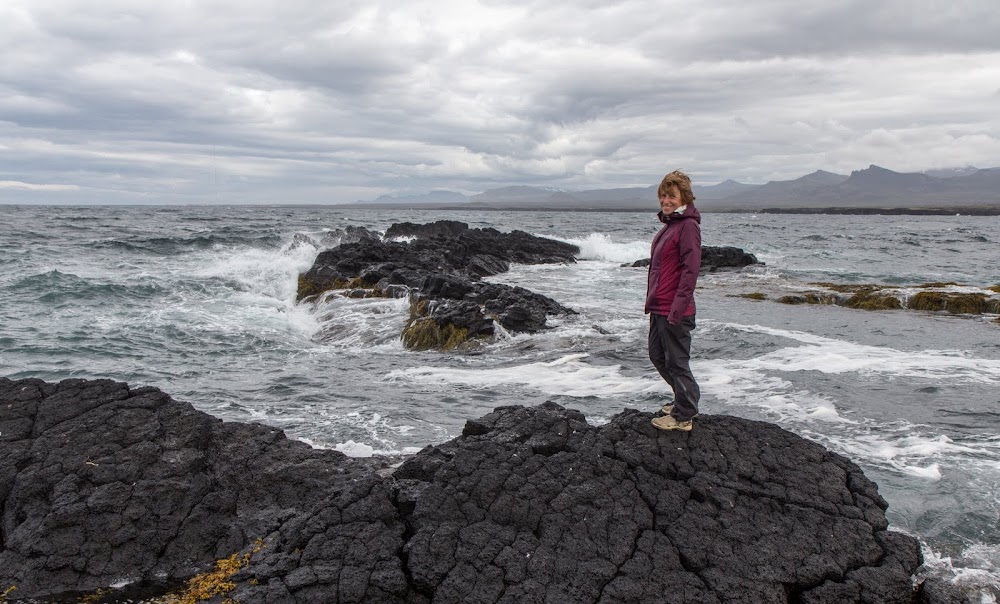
(447, 228)
(440, 247)
(441, 269)
(714, 258)
(100, 482)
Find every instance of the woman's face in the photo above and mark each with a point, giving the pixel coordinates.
(670, 200)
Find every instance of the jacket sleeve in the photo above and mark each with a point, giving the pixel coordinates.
(689, 249)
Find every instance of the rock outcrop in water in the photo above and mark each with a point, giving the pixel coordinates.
(101, 484)
(714, 258)
(441, 269)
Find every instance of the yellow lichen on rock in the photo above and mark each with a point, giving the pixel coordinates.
(426, 334)
(423, 333)
(306, 288)
(7, 592)
(216, 582)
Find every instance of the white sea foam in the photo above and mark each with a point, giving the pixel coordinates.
(569, 375)
(361, 323)
(832, 356)
(246, 289)
(976, 570)
(741, 384)
(270, 272)
(353, 449)
(599, 246)
(370, 432)
(901, 447)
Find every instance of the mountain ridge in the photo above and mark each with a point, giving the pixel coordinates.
(873, 187)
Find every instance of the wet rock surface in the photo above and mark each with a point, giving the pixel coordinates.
(715, 257)
(440, 248)
(441, 270)
(101, 483)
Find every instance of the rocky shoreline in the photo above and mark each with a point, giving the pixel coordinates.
(110, 493)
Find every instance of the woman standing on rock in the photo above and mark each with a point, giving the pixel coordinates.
(675, 259)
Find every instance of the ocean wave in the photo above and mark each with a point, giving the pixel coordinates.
(569, 375)
(169, 246)
(600, 246)
(828, 355)
(57, 287)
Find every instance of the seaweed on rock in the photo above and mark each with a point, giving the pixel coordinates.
(955, 303)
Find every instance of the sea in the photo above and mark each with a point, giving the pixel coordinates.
(200, 301)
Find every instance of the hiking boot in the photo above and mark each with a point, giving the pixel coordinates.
(669, 423)
(666, 409)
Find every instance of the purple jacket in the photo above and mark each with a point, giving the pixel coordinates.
(674, 263)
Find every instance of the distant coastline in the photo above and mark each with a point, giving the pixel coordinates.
(983, 210)
(952, 211)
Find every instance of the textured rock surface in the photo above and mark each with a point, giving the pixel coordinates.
(99, 482)
(441, 270)
(444, 247)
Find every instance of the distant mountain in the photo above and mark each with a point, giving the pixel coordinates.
(434, 197)
(635, 196)
(722, 190)
(789, 191)
(822, 178)
(871, 188)
(515, 194)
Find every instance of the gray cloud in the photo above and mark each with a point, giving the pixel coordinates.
(130, 100)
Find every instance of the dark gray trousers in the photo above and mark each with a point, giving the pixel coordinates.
(670, 352)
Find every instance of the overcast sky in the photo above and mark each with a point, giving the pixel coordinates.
(300, 101)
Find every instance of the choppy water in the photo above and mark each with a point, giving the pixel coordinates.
(199, 301)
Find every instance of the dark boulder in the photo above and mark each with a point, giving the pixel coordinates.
(100, 482)
(714, 258)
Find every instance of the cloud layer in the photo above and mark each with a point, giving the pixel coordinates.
(267, 101)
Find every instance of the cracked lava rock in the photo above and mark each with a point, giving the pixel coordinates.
(102, 484)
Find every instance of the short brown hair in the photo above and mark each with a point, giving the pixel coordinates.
(680, 180)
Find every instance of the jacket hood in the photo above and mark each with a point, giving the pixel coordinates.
(689, 212)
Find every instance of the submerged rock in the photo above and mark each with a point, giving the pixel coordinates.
(951, 297)
(100, 482)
